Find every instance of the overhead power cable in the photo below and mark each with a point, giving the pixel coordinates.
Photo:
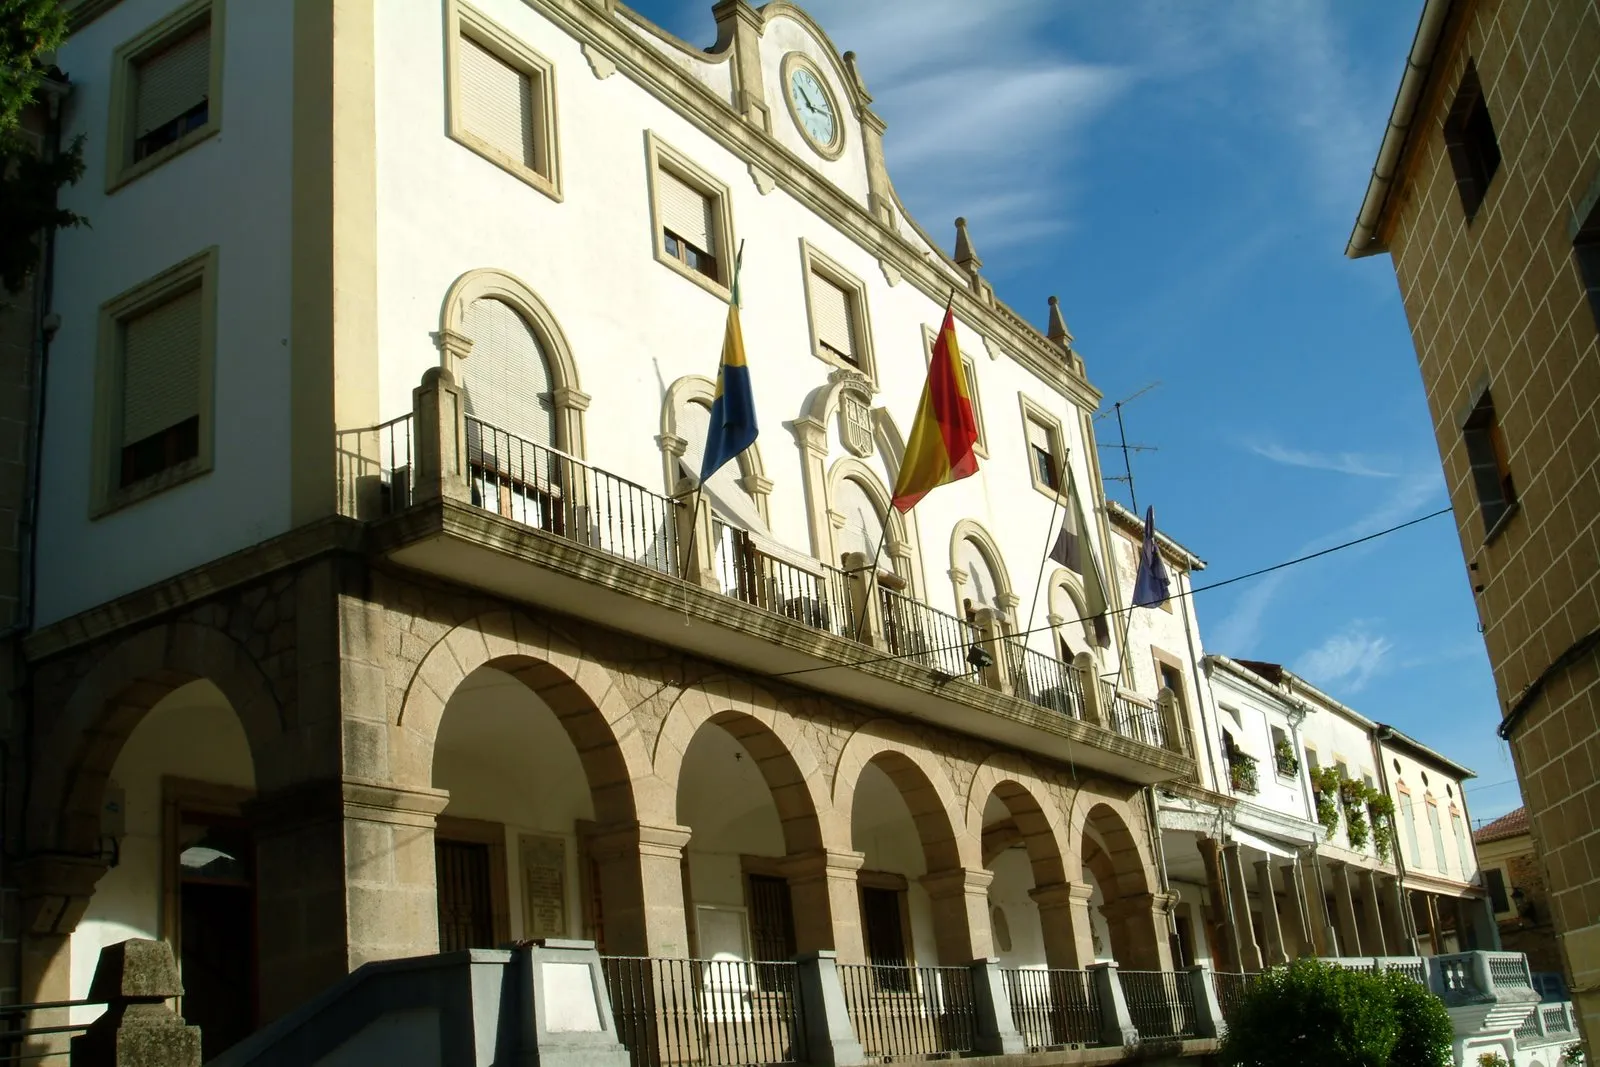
(1117, 611)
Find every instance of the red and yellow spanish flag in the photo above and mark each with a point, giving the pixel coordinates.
(945, 431)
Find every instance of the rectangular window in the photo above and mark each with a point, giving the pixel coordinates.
(971, 370)
(165, 90)
(692, 218)
(1408, 824)
(1440, 863)
(1469, 136)
(1494, 881)
(497, 103)
(1491, 473)
(1463, 849)
(835, 319)
(841, 332)
(1044, 454)
(153, 423)
(1586, 250)
(688, 223)
(883, 927)
(501, 99)
(771, 918)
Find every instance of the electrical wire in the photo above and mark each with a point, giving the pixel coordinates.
(1191, 591)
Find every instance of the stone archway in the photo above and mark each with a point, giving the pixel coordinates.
(1107, 843)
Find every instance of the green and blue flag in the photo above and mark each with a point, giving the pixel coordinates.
(733, 411)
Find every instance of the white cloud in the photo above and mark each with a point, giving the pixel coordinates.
(1342, 462)
(1350, 658)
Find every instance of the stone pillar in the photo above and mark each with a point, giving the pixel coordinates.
(1483, 922)
(1172, 723)
(440, 441)
(1372, 934)
(996, 675)
(1274, 953)
(866, 607)
(136, 978)
(1317, 902)
(741, 24)
(1398, 936)
(1294, 889)
(641, 883)
(1221, 908)
(1116, 1024)
(697, 552)
(1142, 918)
(1094, 711)
(960, 914)
(1207, 1008)
(826, 903)
(1239, 896)
(1344, 901)
(54, 893)
(830, 1039)
(997, 1030)
(1064, 918)
(344, 876)
(1434, 927)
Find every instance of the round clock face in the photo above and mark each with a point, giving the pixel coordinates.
(813, 108)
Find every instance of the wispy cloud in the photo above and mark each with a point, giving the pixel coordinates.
(1342, 462)
(1350, 658)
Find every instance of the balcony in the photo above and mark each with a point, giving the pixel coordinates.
(464, 501)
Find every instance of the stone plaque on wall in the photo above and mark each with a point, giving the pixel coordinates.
(544, 886)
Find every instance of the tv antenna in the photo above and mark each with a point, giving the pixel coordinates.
(1127, 463)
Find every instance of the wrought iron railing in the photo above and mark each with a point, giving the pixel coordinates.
(551, 491)
(819, 599)
(1231, 988)
(1132, 719)
(374, 469)
(910, 1011)
(44, 1042)
(1160, 1003)
(706, 1012)
(927, 635)
(1043, 680)
(1055, 1007)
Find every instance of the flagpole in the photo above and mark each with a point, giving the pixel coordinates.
(1044, 560)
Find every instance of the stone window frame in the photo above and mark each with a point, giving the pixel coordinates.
(1479, 416)
(717, 191)
(463, 20)
(105, 495)
(1473, 162)
(121, 168)
(492, 834)
(1032, 410)
(931, 334)
(180, 796)
(1005, 595)
(813, 261)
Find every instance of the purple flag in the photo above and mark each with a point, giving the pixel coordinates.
(1151, 588)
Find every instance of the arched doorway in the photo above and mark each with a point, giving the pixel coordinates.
(1114, 863)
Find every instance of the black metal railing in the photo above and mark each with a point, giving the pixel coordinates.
(43, 1042)
(1054, 1008)
(819, 599)
(715, 1013)
(1132, 719)
(927, 635)
(374, 469)
(910, 1011)
(1231, 988)
(1043, 680)
(1160, 1003)
(549, 490)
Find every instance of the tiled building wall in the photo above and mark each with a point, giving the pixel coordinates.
(1499, 299)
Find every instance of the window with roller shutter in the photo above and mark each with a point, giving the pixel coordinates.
(691, 215)
(501, 100)
(1044, 454)
(687, 217)
(165, 90)
(172, 91)
(834, 308)
(160, 374)
(836, 301)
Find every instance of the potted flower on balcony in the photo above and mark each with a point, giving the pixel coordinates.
(1381, 811)
(1242, 773)
(1284, 757)
(1352, 798)
(1325, 787)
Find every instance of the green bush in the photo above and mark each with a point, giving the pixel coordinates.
(1312, 1014)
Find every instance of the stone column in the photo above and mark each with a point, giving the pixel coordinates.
(830, 1040)
(1239, 897)
(1344, 901)
(1274, 953)
(826, 903)
(1064, 918)
(136, 978)
(1317, 903)
(1142, 919)
(742, 23)
(54, 893)
(1372, 934)
(1207, 1008)
(439, 413)
(641, 883)
(1398, 936)
(997, 1030)
(1221, 908)
(997, 675)
(1116, 1024)
(1094, 713)
(1294, 888)
(960, 914)
(1434, 928)
(697, 552)
(866, 607)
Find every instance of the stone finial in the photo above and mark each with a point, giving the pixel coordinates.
(1057, 330)
(135, 970)
(135, 978)
(966, 255)
(854, 70)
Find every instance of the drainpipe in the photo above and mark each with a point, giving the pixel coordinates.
(1150, 811)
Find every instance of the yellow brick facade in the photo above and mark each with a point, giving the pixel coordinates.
(1498, 300)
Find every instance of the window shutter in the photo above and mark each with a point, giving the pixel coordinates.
(863, 525)
(685, 210)
(496, 102)
(173, 81)
(1040, 437)
(835, 317)
(508, 381)
(161, 367)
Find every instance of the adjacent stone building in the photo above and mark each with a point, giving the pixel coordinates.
(1486, 194)
(1514, 880)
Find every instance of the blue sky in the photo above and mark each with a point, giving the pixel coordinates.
(1184, 176)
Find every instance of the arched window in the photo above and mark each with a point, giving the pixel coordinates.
(726, 498)
(1066, 605)
(1408, 825)
(507, 379)
(863, 522)
(982, 586)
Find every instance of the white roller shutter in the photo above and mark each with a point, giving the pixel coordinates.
(161, 367)
(496, 101)
(173, 81)
(834, 316)
(508, 381)
(863, 525)
(685, 210)
(1040, 437)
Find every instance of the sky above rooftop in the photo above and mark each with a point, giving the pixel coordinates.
(1184, 176)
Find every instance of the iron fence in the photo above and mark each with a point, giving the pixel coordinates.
(910, 1011)
(1132, 719)
(1161, 1004)
(927, 635)
(1231, 988)
(374, 469)
(1043, 680)
(1054, 1007)
(819, 599)
(715, 1013)
(551, 491)
(37, 1044)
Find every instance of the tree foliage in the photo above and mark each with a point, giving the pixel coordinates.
(29, 31)
(1311, 1012)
